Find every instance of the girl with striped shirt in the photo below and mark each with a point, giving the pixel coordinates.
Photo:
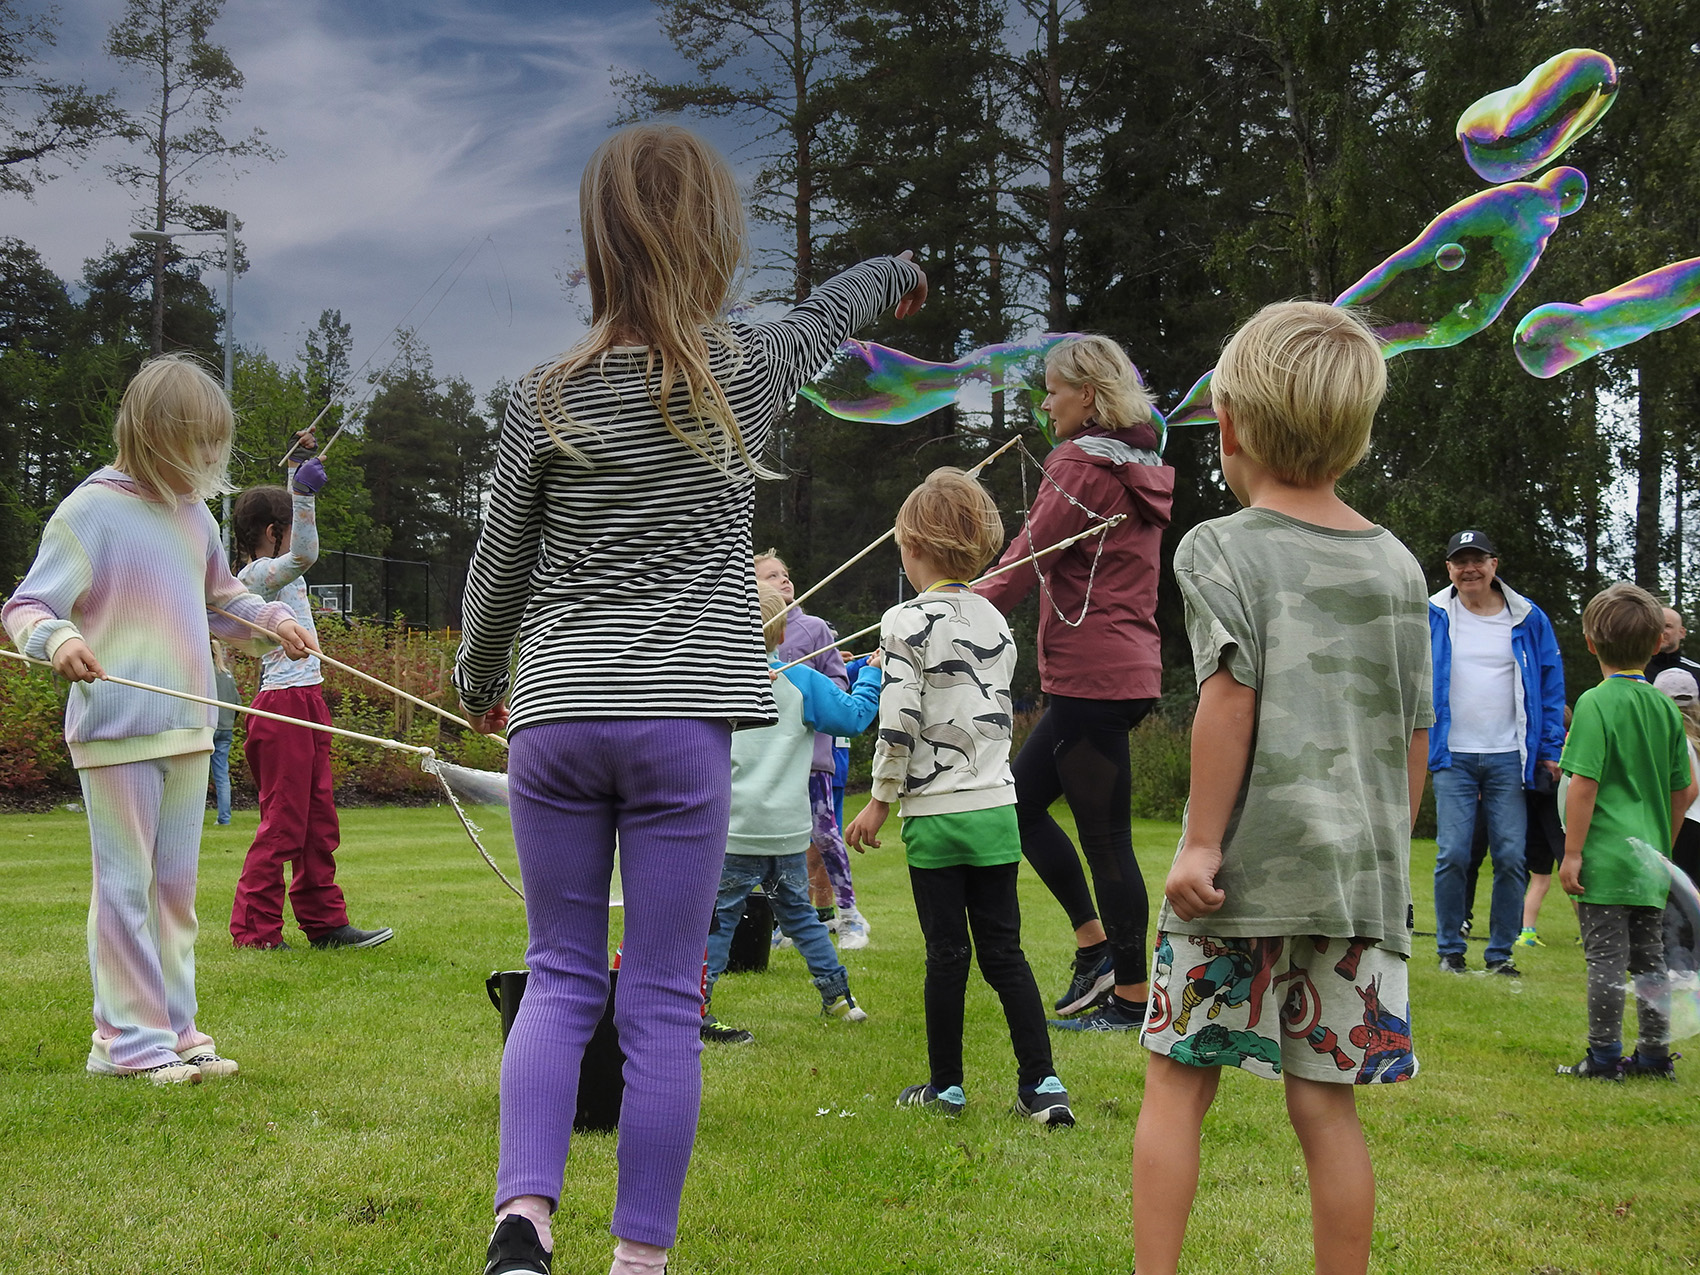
(615, 555)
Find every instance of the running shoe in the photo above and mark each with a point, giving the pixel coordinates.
(1046, 1103)
(1094, 977)
(1111, 1017)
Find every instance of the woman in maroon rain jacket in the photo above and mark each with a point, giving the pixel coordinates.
(1099, 665)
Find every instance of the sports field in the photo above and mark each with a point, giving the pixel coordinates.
(360, 1136)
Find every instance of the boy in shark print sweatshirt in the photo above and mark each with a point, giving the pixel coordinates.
(943, 756)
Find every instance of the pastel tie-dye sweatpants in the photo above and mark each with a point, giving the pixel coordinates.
(145, 828)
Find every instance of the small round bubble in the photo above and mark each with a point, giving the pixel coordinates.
(1571, 187)
(1450, 256)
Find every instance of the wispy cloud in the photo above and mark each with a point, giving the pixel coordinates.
(409, 131)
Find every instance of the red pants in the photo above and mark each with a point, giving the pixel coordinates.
(292, 766)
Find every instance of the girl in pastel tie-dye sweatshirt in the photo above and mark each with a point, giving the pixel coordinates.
(129, 568)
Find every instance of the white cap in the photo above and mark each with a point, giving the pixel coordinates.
(1679, 684)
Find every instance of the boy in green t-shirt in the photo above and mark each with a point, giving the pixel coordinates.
(1627, 760)
(1283, 942)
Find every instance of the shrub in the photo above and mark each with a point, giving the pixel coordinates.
(33, 756)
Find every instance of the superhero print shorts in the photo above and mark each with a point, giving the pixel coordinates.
(1334, 1010)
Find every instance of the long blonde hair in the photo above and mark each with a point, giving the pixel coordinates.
(175, 419)
(664, 240)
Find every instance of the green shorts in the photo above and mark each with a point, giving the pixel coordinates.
(983, 838)
(1335, 1010)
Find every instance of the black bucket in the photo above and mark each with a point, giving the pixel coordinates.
(752, 941)
(601, 1075)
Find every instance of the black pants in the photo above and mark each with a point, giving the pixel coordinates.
(1079, 751)
(950, 903)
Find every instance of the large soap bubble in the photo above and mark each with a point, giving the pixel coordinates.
(1554, 338)
(1682, 955)
(1516, 131)
(880, 385)
(1452, 280)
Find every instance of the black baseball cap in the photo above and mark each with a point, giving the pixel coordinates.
(1477, 540)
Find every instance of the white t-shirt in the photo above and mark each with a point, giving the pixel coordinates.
(1484, 684)
(1693, 812)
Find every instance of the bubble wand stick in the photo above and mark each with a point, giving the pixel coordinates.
(992, 574)
(375, 681)
(395, 744)
(838, 571)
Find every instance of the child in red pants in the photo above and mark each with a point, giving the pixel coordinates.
(277, 532)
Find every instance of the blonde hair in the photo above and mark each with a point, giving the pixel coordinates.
(174, 420)
(1119, 397)
(773, 610)
(771, 555)
(664, 240)
(1625, 623)
(1301, 382)
(951, 521)
(1690, 722)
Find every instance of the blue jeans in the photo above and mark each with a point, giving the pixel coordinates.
(1495, 780)
(221, 773)
(784, 878)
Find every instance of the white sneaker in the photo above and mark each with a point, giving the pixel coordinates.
(206, 1058)
(852, 931)
(172, 1073)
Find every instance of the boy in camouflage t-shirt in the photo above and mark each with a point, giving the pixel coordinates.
(1283, 939)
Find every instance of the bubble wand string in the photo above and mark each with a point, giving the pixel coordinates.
(428, 756)
(343, 388)
(887, 535)
(395, 744)
(990, 575)
(375, 681)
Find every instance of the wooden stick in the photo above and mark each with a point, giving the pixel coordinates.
(395, 744)
(887, 535)
(990, 575)
(349, 668)
(321, 416)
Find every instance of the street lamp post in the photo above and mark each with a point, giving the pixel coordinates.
(229, 233)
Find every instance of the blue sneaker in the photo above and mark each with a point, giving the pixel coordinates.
(1107, 1018)
(949, 1103)
(1046, 1103)
(1094, 977)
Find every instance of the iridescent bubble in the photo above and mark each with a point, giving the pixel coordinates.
(1675, 990)
(880, 385)
(1418, 303)
(1514, 132)
(1502, 232)
(1450, 256)
(1554, 338)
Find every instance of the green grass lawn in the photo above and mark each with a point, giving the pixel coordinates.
(360, 1136)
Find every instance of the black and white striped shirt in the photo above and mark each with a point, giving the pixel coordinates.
(628, 581)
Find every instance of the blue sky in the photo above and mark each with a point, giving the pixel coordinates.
(412, 130)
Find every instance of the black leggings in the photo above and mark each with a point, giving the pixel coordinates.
(1079, 751)
(950, 902)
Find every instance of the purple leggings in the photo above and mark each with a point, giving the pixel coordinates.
(827, 841)
(664, 785)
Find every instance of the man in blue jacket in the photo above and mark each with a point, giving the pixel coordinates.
(1498, 729)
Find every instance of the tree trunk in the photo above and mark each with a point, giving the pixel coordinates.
(1649, 474)
(1056, 308)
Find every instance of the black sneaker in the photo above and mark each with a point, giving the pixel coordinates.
(1046, 1103)
(348, 936)
(950, 1102)
(1637, 1068)
(1453, 963)
(715, 1032)
(1094, 976)
(1588, 1069)
(515, 1249)
(1505, 969)
(1113, 1017)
